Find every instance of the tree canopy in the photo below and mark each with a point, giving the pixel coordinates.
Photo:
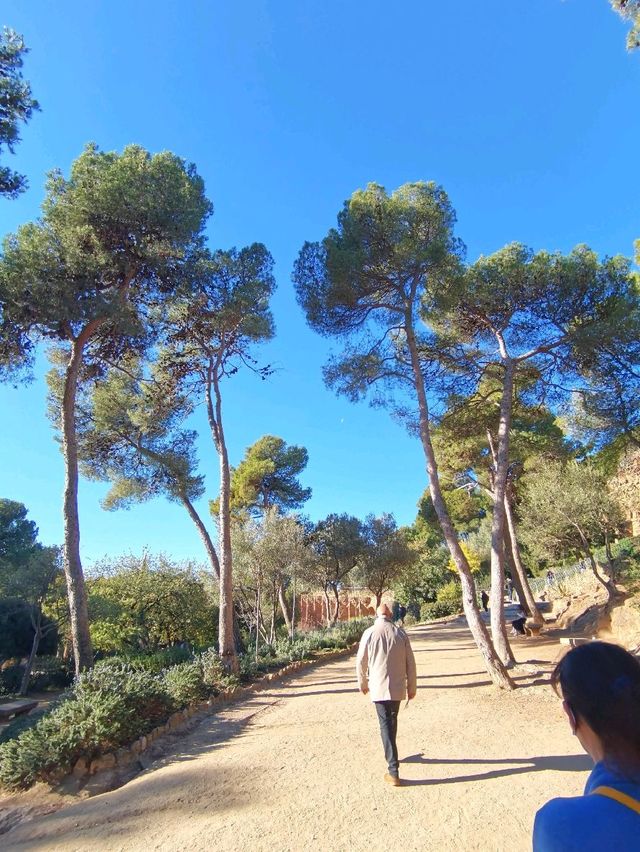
(267, 477)
(16, 106)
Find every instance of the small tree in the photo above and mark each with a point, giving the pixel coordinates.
(338, 543)
(210, 331)
(16, 106)
(28, 573)
(269, 553)
(567, 511)
(267, 477)
(149, 602)
(386, 555)
(112, 239)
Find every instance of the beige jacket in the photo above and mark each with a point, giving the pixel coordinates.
(385, 662)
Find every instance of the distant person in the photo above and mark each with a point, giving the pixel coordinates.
(551, 577)
(484, 597)
(402, 611)
(386, 669)
(518, 623)
(600, 687)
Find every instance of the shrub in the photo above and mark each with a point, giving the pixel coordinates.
(431, 611)
(156, 662)
(50, 673)
(10, 678)
(107, 708)
(184, 683)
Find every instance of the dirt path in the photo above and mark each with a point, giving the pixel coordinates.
(300, 767)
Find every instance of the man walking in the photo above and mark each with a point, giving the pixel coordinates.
(386, 669)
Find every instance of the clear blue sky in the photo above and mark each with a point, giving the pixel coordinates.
(526, 112)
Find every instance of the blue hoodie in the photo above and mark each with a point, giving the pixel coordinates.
(590, 822)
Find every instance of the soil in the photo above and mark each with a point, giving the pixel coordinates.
(300, 766)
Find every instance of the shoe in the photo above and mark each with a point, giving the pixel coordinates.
(392, 779)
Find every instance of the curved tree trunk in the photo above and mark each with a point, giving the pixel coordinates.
(37, 636)
(501, 461)
(284, 607)
(76, 591)
(493, 663)
(204, 535)
(511, 541)
(336, 606)
(327, 605)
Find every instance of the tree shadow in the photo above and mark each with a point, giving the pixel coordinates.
(524, 765)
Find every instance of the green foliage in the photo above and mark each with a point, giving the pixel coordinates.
(630, 11)
(16, 629)
(448, 602)
(108, 707)
(16, 106)
(143, 604)
(214, 673)
(17, 535)
(267, 477)
(567, 510)
(112, 237)
(155, 662)
(184, 683)
(386, 554)
(134, 437)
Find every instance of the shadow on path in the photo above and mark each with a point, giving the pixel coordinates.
(558, 763)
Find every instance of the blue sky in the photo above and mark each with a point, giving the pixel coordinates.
(526, 112)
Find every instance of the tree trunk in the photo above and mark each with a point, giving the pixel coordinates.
(336, 606)
(37, 635)
(494, 665)
(76, 591)
(293, 610)
(226, 644)
(378, 599)
(328, 606)
(284, 607)
(512, 542)
(204, 535)
(498, 627)
(257, 620)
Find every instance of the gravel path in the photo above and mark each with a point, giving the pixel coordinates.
(301, 767)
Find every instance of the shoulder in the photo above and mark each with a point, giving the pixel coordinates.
(367, 633)
(401, 634)
(556, 824)
(579, 824)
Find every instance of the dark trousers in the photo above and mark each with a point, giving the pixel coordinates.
(388, 717)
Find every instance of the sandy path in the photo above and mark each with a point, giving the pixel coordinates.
(300, 767)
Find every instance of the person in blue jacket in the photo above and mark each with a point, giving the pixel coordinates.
(600, 687)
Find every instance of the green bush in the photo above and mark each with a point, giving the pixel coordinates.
(450, 594)
(431, 611)
(50, 673)
(10, 678)
(156, 662)
(108, 707)
(185, 684)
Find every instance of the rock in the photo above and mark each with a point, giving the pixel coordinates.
(104, 761)
(123, 756)
(81, 768)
